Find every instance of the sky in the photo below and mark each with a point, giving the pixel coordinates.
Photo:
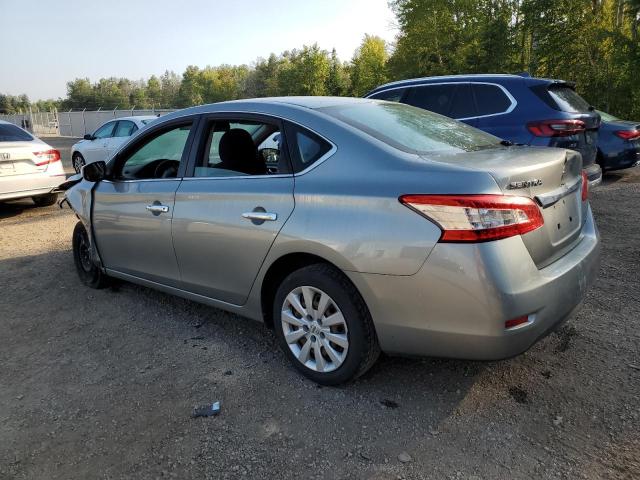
(46, 43)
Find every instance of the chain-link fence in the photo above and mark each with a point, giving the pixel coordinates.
(72, 123)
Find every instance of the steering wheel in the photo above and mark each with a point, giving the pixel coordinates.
(166, 169)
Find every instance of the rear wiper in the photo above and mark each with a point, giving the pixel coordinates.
(506, 143)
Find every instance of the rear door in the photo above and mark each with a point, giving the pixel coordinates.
(230, 209)
(493, 103)
(450, 99)
(133, 210)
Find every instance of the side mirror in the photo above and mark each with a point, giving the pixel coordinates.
(94, 172)
(88, 136)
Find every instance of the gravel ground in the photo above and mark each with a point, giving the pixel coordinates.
(101, 384)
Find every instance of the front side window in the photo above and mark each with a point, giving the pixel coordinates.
(105, 131)
(412, 129)
(490, 99)
(156, 157)
(241, 147)
(125, 128)
(393, 95)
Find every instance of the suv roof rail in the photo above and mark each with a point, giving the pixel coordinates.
(524, 74)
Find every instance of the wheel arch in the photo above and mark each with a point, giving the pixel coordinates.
(278, 271)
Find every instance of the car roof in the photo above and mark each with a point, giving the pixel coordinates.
(499, 78)
(268, 105)
(137, 117)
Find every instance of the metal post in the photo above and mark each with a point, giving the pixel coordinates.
(84, 122)
(70, 123)
(31, 118)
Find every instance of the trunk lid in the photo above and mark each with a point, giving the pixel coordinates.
(17, 158)
(552, 177)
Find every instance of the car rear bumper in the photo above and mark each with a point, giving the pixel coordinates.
(20, 186)
(594, 174)
(457, 304)
(625, 159)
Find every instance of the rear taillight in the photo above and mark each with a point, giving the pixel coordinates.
(628, 134)
(477, 218)
(585, 186)
(46, 157)
(556, 128)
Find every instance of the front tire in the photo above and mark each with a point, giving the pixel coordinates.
(88, 272)
(78, 162)
(45, 200)
(323, 325)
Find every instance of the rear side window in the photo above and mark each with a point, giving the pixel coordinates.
(393, 95)
(435, 98)
(305, 146)
(462, 105)
(11, 133)
(490, 99)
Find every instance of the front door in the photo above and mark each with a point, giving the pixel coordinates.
(231, 208)
(132, 211)
(98, 148)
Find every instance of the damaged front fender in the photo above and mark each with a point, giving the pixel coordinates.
(79, 197)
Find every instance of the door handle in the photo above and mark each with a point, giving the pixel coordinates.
(261, 216)
(157, 209)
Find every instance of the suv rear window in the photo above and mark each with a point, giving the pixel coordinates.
(11, 133)
(412, 129)
(568, 100)
(562, 98)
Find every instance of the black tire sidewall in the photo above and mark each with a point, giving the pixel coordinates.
(352, 309)
(45, 200)
(94, 277)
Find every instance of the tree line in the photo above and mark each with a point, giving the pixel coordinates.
(594, 43)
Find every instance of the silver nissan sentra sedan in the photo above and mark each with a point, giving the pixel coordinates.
(349, 226)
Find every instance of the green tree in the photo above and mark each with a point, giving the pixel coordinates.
(369, 65)
(338, 78)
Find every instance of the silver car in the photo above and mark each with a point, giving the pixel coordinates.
(29, 168)
(367, 226)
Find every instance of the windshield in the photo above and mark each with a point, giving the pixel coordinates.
(568, 100)
(412, 129)
(11, 133)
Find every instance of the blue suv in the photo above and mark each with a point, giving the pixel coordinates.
(521, 109)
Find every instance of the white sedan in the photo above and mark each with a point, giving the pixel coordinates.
(28, 167)
(106, 139)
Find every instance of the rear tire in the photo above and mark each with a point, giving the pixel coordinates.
(45, 200)
(88, 272)
(332, 342)
(78, 162)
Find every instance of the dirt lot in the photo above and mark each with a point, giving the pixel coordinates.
(101, 384)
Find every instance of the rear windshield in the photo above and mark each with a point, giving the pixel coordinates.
(11, 133)
(412, 129)
(606, 117)
(568, 100)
